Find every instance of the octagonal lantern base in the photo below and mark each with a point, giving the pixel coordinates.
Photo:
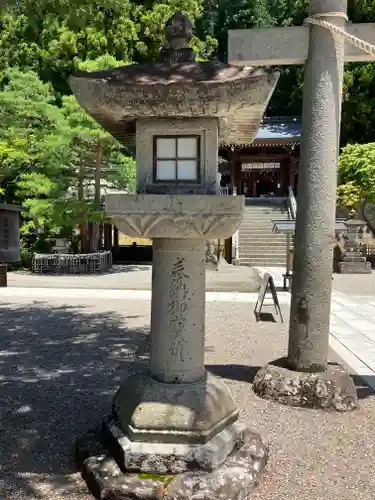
(185, 414)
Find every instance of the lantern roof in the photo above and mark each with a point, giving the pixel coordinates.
(177, 86)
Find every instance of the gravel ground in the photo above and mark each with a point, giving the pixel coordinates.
(132, 277)
(60, 364)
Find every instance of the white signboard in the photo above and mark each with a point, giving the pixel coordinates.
(259, 166)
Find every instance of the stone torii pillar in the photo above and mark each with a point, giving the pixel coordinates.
(305, 377)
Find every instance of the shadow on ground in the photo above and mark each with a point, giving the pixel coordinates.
(59, 369)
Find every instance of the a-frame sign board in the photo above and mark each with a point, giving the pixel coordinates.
(268, 285)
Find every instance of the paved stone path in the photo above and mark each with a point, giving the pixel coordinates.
(352, 325)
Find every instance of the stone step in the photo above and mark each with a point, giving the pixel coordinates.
(263, 219)
(260, 230)
(250, 210)
(264, 212)
(260, 239)
(258, 245)
(255, 217)
(262, 263)
(262, 254)
(262, 234)
(266, 209)
(249, 237)
(266, 226)
(262, 249)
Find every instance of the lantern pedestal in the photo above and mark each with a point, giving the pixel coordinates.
(175, 421)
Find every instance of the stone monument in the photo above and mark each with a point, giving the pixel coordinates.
(173, 432)
(10, 241)
(9, 233)
(322, 44)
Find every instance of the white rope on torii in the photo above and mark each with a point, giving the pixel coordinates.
(316, 20)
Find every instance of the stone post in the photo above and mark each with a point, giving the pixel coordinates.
(305, 378)
(178, 310)
(315, 222)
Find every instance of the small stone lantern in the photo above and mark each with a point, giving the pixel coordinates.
(353, 261)
(176, 418)
(354, 233)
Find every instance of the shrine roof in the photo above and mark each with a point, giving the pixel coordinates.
(273, 132)
(280, 129)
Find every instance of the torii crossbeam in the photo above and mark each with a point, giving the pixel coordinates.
(323, 47)
(289, 46)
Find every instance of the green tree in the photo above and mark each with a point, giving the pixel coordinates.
(38, 170)
(357, 178)
(47, 154)
(53, 37)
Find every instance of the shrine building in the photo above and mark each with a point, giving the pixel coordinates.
(267, 166)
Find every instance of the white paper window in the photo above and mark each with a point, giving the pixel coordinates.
(187, 147)
(165, 170)
(186, 169)
(166, 148)
(177, 159)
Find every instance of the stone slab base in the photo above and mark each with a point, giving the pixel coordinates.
(233, 480)
(172, 458)
(332, 389)
(351, 267)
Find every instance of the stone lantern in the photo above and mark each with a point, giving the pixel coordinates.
(175, 418)
(353, 262)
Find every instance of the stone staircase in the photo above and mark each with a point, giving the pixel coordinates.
(258, 245)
